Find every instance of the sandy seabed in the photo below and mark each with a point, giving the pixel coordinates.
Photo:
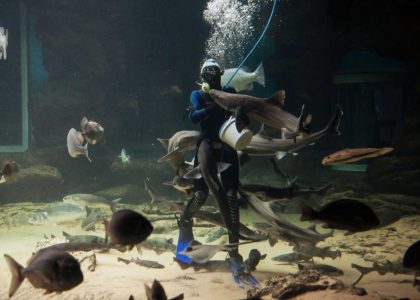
(116, 280)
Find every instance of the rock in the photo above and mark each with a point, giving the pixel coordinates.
(285, 287)
(38, 183)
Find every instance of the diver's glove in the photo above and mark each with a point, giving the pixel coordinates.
(241, 275)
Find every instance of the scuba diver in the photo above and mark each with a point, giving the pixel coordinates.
(211, 117)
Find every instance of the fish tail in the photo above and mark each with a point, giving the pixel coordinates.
(307, 211)
(334, 125)
(259, 75)
(16, 270)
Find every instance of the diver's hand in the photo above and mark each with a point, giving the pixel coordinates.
(240, 274)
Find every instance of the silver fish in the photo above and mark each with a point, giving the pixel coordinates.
(243, 80)
(91, 201)
(176, 146)
(56, 213)
(75, 144)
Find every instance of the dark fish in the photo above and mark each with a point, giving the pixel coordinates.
(253, 259)
(411, 260)
(76, 145)
(127, 228)
(9, 170)
(347, 214)
(292, 258)
(91, 131)
(322, 268)
(142, 262)
(266, 111)
(351, 155)
(313, 251)
(84, 238)
(181, 184)
(157, 292)
(50, 269)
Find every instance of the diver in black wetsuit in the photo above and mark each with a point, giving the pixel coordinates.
(211, 117)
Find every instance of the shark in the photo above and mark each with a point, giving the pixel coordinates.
(264, 145)
(267, 111)
(179, 143)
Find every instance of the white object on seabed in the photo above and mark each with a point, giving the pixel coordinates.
(3, 42)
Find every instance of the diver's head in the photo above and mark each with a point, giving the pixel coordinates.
(211, 73)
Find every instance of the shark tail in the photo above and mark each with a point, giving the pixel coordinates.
(259, 75)
(16, 270)
(334, 124)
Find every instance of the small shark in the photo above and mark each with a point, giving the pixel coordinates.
(244, 80)
(262, 144)
(263, 110)
(125, 158)
(176, 146)
(4, 35)
(351, 155)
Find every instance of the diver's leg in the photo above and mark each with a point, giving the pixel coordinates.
(185, 223)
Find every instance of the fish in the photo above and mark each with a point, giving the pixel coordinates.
(292, 258)
(313, 251)
(352, 155)
(181, 184)
(215, 234)
(382, 269)
(92, 239)
(322, 268)
(262, 144)
(283, 228)
(4, 37)
(243, 80)
(263, 110)
(56, 213)
(50, 269)
(125, 158)
(348, 214)
(411, 260)
(203, 253)
(91, 130)
(144, 263)
(156, 292)
(253, 259)
(90, 200)
(93, 215)
(127, 228)
(291, 191)
(9, 171)
(159, 245)
(76, 145)
(179, 143)
(160, 201)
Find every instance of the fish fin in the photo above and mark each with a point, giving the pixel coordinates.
(148, 292)
(300, 266)
(334, 125)
(16, 270)
(222, 166)
(65, 234)
(131, 297)
(193, 174)
(179, 297)
(307, 211)
(157, 291)
(302, 126)
(170, 240)
(169, 155)
(138, 247)
(313, 228)
(114, 204)
(272, 241)
(259, 75)
(280, 154)
(286, 134)
(88, 210)
(190, 163)
(264, 256)
(242, 120)
(83, 122)
(277, 99)
(164, 143)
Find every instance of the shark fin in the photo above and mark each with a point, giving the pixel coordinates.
(280, 154)
(242, 119)
(169, 155)
(131, 297)
(277, 99)
(334, 124)
(148, 292)
(221, 166)
(264, 256)
(193, 174)
(307, 211)
(262, 132)
(164, 143)
(259, 75)
(65, 234)
(16, 270)
(83, 123)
